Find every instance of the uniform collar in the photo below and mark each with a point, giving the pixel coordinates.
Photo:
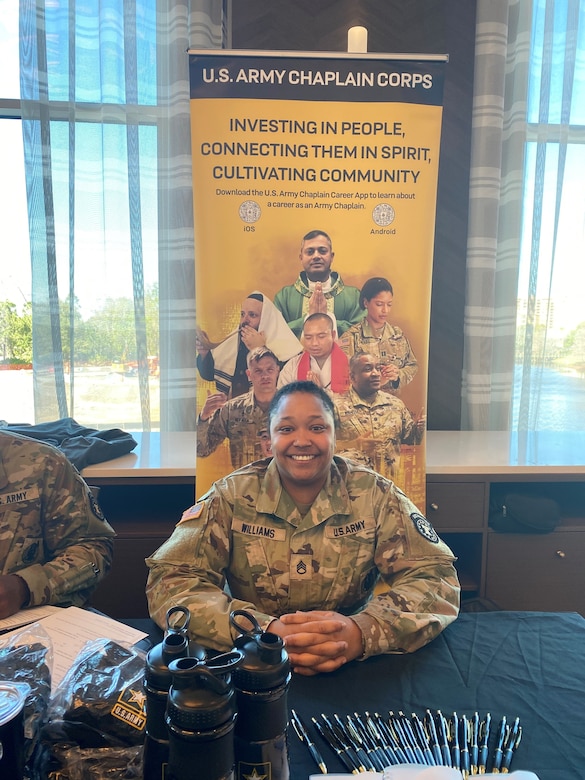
(333, 499)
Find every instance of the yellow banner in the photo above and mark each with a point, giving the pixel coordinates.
(289, 146)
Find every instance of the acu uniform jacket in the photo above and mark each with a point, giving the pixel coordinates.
(247, 531)
(52, 532)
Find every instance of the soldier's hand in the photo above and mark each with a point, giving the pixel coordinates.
(212, 402)
(389, 373)
(14, 594)
(318, 641)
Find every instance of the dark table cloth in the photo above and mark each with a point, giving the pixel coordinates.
(526, 664)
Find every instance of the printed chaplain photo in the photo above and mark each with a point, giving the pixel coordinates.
(323, 551)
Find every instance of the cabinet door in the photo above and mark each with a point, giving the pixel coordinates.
(456, 505)
(537, 573)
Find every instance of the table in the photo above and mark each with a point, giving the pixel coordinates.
(526, 664)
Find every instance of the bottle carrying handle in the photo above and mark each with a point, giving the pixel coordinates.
(254, 633)
(180, 626)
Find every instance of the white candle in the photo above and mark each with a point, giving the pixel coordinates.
(357, 39)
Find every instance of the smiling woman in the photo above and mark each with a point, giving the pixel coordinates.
(302, 539)
(302, 434)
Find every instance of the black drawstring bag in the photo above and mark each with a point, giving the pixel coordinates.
(519, 514)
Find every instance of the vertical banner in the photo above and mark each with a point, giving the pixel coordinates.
(314, 189)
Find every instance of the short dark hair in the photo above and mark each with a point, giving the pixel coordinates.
(373, 287)
(301, 386)
(356, 357)
(320, 315)
(314, 233)
(256, 354)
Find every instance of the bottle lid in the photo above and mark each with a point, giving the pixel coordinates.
(12, 698)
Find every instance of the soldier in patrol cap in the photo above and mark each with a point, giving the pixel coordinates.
(302, 541)
(55, 544)
(241, 419)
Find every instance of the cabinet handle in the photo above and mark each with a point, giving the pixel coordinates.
(434, 507)
(561, 554)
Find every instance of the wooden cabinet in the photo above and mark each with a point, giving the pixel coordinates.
(532, 571)
(144, 494)
(143, 516)
(537, 572)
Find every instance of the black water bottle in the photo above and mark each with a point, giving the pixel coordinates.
(157, 681)
(261, 682)
(200, 717)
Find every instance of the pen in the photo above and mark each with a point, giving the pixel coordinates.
(331, 740)
(474, 747)
(380, 737)
(444, 740)
(512, 742)
(431, 730)
(464, 738)
(422, 739)
(483, 748)
(498, 752)
(360, 740)
(303, 735)
(402, 739)
(386, 729)
(372, 745)
(407, 728)
(343, 742)
(454, 735)
(355, 743)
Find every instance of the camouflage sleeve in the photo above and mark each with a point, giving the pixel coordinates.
(409, 429)
(211, 432)
(420, 590)
(189, 570)
(78, 541)
(407, 371)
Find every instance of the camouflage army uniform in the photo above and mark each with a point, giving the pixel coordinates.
(391, 347)
(239, 420)
(377, 428)
(52, 533)
(247, 532)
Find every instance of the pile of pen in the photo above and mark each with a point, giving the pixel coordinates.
(372, 742)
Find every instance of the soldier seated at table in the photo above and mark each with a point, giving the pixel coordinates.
(302, 540)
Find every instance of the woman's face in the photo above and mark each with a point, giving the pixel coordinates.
(302, 436)
(378, 309)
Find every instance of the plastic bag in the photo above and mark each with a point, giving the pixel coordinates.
(101, 763)
(27, 657)
(101, 701)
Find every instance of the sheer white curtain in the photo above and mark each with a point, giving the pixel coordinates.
(527, 215)
(105, 113)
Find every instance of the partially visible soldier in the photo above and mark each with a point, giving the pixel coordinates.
(324, 552)
(372, 421)
(55, 544)
(241, 419)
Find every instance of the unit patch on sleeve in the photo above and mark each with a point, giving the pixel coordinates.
(424, 528)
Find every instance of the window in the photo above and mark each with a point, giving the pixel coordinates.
(549, 388)
(97, 301)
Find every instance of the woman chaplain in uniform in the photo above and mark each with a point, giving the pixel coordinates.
(301, 540)
(377, 337)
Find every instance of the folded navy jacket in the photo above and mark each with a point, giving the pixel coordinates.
(82, 446)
